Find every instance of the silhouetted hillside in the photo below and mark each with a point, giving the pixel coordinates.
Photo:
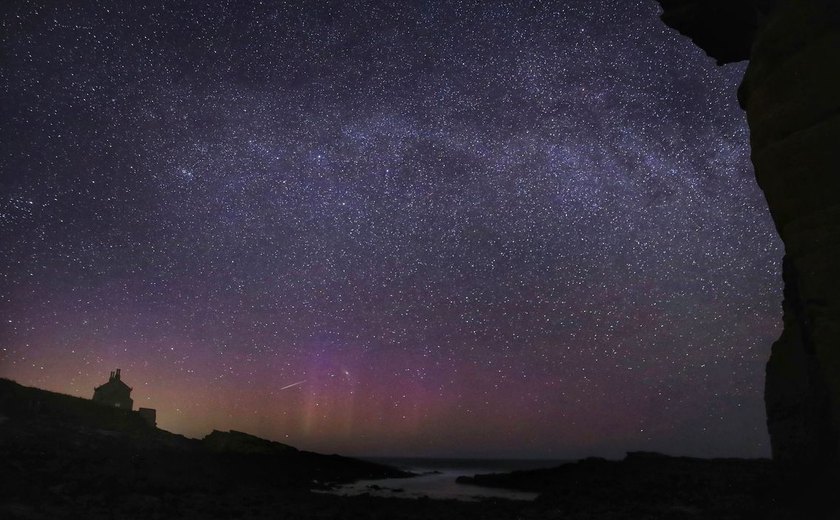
(73, 446)
(27, 403)
(65, 457)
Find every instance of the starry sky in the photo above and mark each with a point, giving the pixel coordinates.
(429, 228)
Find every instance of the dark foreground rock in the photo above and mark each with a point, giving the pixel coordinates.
(51, 471)
(651, 485)
(61, 458)
(791, 93)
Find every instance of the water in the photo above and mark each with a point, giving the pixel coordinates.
(437, 479)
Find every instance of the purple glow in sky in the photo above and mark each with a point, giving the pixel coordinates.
(508, 229)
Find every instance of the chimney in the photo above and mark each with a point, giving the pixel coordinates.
(117, 377)
(111, 377)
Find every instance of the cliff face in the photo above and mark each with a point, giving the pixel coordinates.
(791, 93)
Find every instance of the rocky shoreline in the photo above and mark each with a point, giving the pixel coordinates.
(60, 458)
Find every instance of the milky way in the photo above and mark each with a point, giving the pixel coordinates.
(420, 228)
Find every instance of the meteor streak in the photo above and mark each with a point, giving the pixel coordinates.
(293, 384)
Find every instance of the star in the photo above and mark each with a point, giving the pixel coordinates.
(525, 224)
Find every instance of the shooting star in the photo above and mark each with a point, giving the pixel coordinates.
(293, 384)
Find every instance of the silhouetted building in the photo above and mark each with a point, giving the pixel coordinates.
(114, 393)
(149, 414)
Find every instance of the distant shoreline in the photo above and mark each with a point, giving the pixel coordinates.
(466, 462)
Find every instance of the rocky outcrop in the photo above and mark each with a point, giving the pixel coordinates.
(791, 93)
(240, 442)
(723, 28)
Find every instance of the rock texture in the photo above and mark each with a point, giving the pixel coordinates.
(791, 93)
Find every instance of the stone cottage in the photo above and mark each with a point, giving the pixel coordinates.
(114, 393)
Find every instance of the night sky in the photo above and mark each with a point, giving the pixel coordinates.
(490, 228)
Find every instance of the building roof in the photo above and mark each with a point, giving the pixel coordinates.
(114, 384)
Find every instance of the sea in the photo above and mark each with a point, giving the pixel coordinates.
(436, 479)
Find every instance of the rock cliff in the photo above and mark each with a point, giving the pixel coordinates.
(791, 93)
